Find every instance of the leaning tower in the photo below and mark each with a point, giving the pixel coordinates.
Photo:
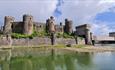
(7, 25)
(28, 24)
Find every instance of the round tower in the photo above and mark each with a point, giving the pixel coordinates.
(51, 24)
(68, 26)
(7, 24)
(28, 24)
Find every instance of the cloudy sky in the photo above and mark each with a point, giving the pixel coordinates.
(99, 13)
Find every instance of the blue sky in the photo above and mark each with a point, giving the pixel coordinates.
(98, 13)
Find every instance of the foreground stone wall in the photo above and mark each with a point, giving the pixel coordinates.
(39, 41)
(31, 42)
(4, 41)
(65, 41)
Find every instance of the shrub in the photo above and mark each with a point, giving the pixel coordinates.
(17, 35)
(34, 34)
(59, 35)
(65, 35)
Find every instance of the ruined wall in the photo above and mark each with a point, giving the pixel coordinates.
(17, 27)
(39, 41)
(32, 42)
(27, 26)
(39, 27)
(59, 28)
(81, 41)
(7, 25)
(65, 41)
(84, 31)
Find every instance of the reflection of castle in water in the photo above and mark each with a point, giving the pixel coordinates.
(49, 62)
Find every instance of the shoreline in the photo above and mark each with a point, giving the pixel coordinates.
(92, 49)
(75, 49)
(8, 52)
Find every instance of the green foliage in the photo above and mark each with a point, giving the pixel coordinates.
(42, 34)
(17, 35)
(65, 35)
(81, 38)
(59, 35)
(34, 34)
(80, 46)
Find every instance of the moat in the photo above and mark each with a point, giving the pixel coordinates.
(47, 59)
(78, 61)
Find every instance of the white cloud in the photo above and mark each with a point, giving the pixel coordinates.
(100, 29)
(80, 11)
(40, 9)
(84, 11)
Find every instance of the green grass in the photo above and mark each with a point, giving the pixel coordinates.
(80, 46)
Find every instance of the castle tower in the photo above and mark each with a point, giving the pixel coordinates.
(88, 37)
(7, 25)
(84, 31)
(28, 24)
(61, 27)
(68, 26)
(50, 24)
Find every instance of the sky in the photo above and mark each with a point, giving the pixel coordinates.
(100, 14)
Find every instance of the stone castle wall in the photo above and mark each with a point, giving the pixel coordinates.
(38, 41)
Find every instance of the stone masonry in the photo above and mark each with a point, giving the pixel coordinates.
(28, 24)
(84, 31)
(68, 26)
(50, 24)
(7, 25)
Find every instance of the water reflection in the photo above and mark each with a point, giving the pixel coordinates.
(75, 61)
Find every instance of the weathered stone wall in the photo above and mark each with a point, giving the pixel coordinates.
(17, 27)
(68, 26)
(39, 27)
(7, 25)
(59, 28)
(34, 41)
(84, 31)
(65, 41)
(39, 41)
(80, 41)
(4, 41)
(50, 24)
(28, 24)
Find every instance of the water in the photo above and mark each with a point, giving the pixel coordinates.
(70, 61)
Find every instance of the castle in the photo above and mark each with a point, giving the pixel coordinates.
(28, 25)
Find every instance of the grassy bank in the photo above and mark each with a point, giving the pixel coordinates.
(81, 48)
(28, 51)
